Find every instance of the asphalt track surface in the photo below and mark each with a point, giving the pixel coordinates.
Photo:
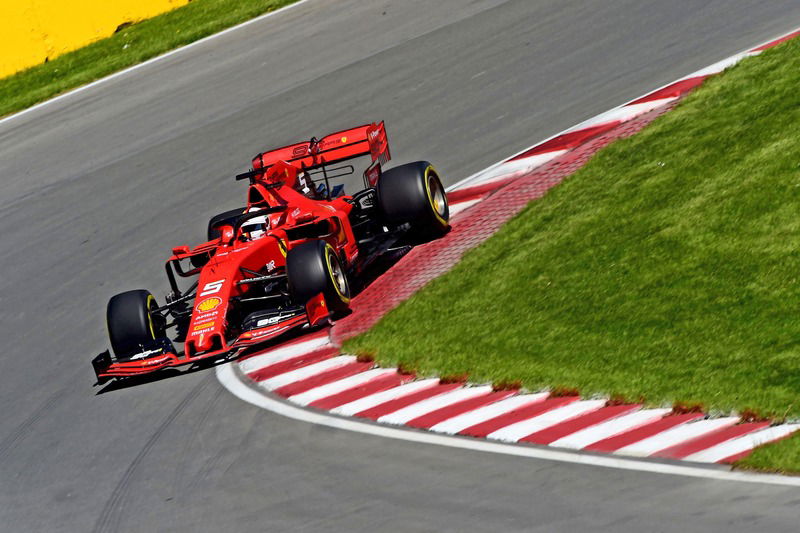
(97, 187)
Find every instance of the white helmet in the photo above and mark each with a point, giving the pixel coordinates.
(255, 228)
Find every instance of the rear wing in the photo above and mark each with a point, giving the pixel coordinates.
(369, 139)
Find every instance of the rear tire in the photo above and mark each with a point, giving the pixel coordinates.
(312, 268)
(413, 193)
(131, 322)
(228, 218)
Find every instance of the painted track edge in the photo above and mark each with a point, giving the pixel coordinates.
(228, 376)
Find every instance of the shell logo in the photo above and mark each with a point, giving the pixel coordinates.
(209, 304)
(344, 140)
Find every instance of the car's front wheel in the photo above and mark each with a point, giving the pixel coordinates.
(132, 321)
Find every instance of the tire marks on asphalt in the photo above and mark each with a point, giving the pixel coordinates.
(111, 515)
(11, 441)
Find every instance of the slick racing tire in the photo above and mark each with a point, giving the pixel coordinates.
(413, 193)
(228, 218)
(312, 268)
(131, 321)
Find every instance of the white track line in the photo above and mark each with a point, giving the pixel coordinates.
(514, 432)
(150, 62)
(306, 372)
(624, 113)
(282, 354)
(487, 412)
(618, 114)
(615, 426)
(676, 435)
(715, 68)
(457, 207)
(368, 402)
(495, 173)
(228, 378)
(741, 444)
(429, 405)
(340, 385)
(719, 66)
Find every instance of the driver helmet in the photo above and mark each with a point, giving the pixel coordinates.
(255, 228)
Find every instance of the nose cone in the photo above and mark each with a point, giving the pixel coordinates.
(206, 342)
(202, 343)
(207, 326)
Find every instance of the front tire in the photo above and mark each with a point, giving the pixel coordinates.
(413, 193)
(312, 268)
(131, 321)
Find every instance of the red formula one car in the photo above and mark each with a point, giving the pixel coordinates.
(282, 262)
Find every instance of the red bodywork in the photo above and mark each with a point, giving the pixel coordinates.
(273, 184)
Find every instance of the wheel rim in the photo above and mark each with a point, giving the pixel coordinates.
(337, 275)
(437, 197)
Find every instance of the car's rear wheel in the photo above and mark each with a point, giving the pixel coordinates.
(413, 193)
(132, 322)
(312, 268)
(228, 218)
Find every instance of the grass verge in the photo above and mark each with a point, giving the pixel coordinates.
(666, 268)
(129, 46)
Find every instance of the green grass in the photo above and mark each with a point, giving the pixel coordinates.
(666, 269)
(782, 457)
(131, 45)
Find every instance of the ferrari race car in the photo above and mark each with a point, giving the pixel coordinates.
(283, 261)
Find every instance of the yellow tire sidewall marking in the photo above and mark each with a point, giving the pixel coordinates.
(151, 303)
(435, 211)
(328, 253)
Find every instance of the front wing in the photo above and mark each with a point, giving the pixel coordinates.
(162, 354)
